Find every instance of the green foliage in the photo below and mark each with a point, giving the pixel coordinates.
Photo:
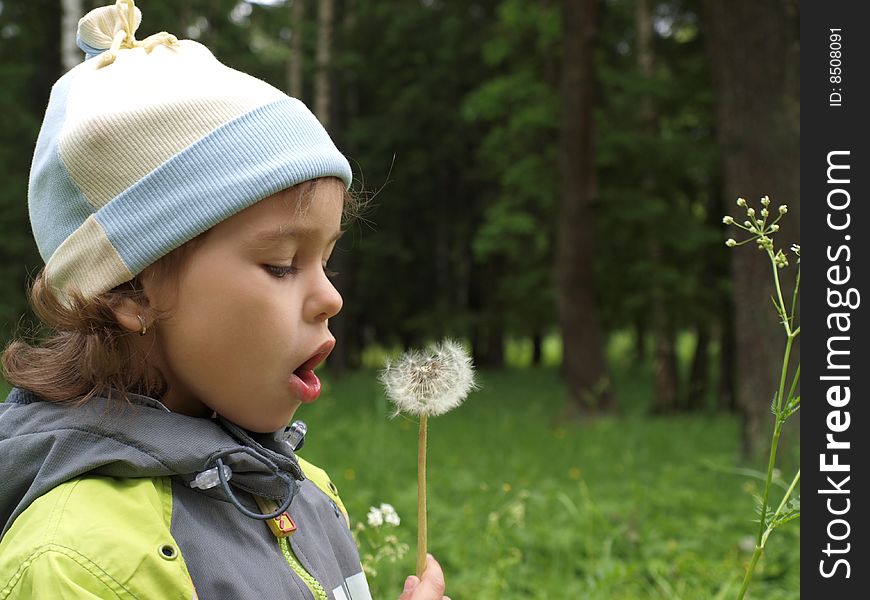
(519, 106)
(522, 506)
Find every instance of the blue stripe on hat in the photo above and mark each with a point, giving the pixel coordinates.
(56, 204)
(264, 151)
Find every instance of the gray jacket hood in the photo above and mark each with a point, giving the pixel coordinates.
(43, 444)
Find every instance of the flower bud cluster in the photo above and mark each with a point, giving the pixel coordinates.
(761, 231)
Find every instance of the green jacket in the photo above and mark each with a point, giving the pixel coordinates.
(99, 502)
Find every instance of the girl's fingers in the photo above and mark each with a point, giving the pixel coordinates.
(429, 587)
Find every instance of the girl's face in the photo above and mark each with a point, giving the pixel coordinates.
(251, 308)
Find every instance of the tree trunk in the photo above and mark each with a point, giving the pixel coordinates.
(584, 365)
(537, 348)
(70, 53)
(754, 52)
(294, 60)
(664, 356)
(640, 336)
(727, 392)
(322, 91)
(699, 374)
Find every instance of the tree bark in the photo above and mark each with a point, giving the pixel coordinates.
(699, 374)
(295, 59)
(754, 52)
(322, 87)
(70, 53)
(537, 348)
(584, 366)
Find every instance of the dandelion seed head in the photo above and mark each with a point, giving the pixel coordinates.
(429, 382)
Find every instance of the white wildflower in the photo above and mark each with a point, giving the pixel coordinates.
(375, 517)
(730, 242)
(391, 517)
(796, 249)
(429, 382)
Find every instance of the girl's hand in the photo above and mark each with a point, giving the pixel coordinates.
(430, 587)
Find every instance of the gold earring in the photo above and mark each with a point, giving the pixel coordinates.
(142, 321)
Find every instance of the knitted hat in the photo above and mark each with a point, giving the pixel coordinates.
(149, 143)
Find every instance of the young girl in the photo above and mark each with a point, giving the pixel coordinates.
(185, 212)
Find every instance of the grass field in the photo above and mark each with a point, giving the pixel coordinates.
(522, 506)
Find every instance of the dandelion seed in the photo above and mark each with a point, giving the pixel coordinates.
(431, 382)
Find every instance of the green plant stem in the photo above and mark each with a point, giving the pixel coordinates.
(777, 429)
(779, 508)
(763, 526)
(749, 571)
(786, 317)
(797, 285)
(759, 547)
(421, 495)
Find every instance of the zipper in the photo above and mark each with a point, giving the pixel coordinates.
(313, 585)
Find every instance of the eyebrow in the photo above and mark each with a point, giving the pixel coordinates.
(283, 234)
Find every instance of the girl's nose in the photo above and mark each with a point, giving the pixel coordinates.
(325, 302)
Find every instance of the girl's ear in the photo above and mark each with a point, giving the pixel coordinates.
(130, 315)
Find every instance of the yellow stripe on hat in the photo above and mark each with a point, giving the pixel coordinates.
(87, 258)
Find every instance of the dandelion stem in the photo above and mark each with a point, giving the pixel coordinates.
(421, 495)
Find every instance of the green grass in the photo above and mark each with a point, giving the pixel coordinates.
(521, 506)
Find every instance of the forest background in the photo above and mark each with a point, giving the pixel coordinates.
(546, 182)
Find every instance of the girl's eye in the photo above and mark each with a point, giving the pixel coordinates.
(280, 272)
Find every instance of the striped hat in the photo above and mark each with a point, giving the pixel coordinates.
(149, 143)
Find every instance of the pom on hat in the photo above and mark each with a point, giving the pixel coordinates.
(135, 159)
(107, 29)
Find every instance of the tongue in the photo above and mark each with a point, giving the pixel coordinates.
(310, 383)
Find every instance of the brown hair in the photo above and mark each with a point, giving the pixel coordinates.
(87, 352)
